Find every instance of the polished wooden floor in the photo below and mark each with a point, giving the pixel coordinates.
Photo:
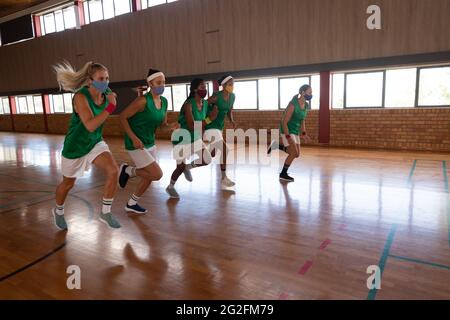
(311, 239)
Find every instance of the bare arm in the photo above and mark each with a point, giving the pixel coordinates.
(90, 122)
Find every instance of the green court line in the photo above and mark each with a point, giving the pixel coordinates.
(444, 171)
(383, 260)
(437, 265)
(411, 173)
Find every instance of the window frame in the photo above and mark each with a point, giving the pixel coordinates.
(383, 89)
(419, 69)
(289, 77)
(257, 93)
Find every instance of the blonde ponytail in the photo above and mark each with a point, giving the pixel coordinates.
(71, 80)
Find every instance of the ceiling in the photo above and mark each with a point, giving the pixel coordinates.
(8, 7)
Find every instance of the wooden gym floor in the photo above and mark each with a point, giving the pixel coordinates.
(311, 239)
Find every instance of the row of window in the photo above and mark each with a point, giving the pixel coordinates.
(391, 88)
(395, 88)
(94, 10)
(254, 94)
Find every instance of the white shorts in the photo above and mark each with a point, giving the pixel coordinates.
(143, 157)
(181, 152)
(285, 139)
(75, 168)
(214, 139)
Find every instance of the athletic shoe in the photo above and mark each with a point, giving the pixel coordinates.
(60, 221)
(136, 209)
(188, 175)
(172, 192)
(227, 183)
(273, 145)
(286, 177)
(123, 176)
(108, 219)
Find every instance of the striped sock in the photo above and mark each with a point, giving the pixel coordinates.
(131, 171)
(172, 183)
(133, 200)
(59, 209)
(107, 203)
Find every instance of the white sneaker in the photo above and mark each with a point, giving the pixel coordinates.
(188, 175)
(227, 183)
(172, 192)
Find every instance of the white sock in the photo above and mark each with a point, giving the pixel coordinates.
(59, 209)
(172, 183)
(131, 171)
(133, 200)
(107, 203)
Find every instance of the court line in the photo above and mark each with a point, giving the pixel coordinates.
(411, 173)
(437, 265)
(444, 171)
(384, 258)
(34, 262)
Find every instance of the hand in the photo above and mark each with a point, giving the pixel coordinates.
(213, 115)
(112, 98)
(306, 138)
(174, 126)
(138, 144)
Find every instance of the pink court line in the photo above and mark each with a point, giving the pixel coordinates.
(304, 269)
(325, 244)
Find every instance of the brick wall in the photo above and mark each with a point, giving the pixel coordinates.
(405, 129)
(426, 129)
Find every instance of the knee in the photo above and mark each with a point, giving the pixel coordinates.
(113, 172)
(158, 175)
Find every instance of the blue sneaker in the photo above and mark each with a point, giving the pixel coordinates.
(109, 220)
(136, 209)
(60, 221)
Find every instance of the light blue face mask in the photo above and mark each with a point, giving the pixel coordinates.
(101, 86)
(158, 90)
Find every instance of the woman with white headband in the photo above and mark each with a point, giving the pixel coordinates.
(224, 100)
(140, 121)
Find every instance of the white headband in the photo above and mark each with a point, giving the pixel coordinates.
(155, 75)
(226, 80)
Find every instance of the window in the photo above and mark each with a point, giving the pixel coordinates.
(96, 10)
(29, 104)
(364, 90)
(58, 20)
(337, 100)
(246, 95)
(290, 87)
(400, 88)
(61, 103)
(4, 105)
(151, 3)
(434, 87)
(179, 96)
(315, 84)
(168, 95)
(268, 94)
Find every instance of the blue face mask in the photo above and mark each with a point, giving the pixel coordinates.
(158, 90)
(308, 97)
(101, 86)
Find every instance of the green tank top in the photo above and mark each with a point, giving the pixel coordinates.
(79, 141)
(145, 123)
(297, 118)
(223, 107)
(198, 115)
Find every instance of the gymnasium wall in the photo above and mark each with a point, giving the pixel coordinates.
(190, 37)
(426, 129)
